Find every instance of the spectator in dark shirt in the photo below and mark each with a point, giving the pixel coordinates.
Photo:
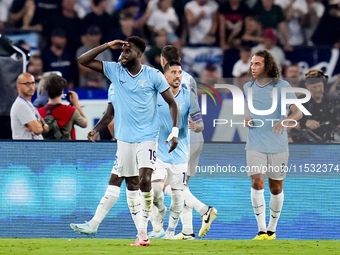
(58, 57)
(100, 18)
(324, 122)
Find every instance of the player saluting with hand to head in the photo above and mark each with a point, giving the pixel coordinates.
(267, 145)
(133, 103)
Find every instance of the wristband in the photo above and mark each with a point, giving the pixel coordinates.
(174, 133)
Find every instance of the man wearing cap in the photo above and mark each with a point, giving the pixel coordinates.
(270, 44)
(92, 39)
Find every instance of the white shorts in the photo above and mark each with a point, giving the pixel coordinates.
(130, 157)
(271, 164)
(172, 174)
(194, 156)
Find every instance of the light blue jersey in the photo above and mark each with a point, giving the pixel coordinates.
(189, 83)
(262, 139)
(135, 101)
(186, 107)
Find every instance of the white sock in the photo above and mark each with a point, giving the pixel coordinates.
(146, 203)
(168, 190)
(133, 201)
(158, 195)
(191, 201)
(186, 219)
(176, 208)
(276, 202)
(106, 203)
(259, 207)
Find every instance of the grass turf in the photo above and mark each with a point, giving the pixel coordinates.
(44, 246)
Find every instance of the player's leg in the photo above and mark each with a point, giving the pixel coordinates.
(158, 209)
(133, 199)
(177, 179)
(146, 159)
(257, 163)
(106, 203)
(276, 175)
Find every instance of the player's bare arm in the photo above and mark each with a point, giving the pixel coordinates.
(88, 58)
(169, 98)
(102, 123)
(296, 114)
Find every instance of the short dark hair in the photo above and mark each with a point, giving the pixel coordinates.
(138, 42)
(54, 85)
(170, 64)
(170, 53)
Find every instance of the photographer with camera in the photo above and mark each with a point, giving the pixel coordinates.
(66, 116)
(323, 125)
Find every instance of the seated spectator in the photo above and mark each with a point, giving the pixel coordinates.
(164, 16)
(271, 16)
(250, 34)
(323, 124)
(100, 18)
(35, 67)
(153, 54)
(68, 21)
(92, 39)
(3, 15)
(243, 64)
(202, 20)
(292, 74)
(211, 75)
(59, 58)
(231, 16)
(66, 116)
(328, 30)
(270, 40)
(312, 18)
(294, 12)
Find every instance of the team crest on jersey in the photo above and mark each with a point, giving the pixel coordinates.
(142, 82)
(270, 93)
(180, 106)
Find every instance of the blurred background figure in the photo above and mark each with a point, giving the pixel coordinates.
(270, 40)
(153, 54)
(201, 17)
(242, 65)
(92, 39)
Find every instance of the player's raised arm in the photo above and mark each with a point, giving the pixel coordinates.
(173, 137)
(102, 123)
(88, 58)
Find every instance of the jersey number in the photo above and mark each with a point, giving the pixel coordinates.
(152, 155)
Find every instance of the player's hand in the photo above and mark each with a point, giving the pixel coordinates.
(248, 122)
(90, 135)
(173, 137)
(312, 124)
(278, 128)
(117, 44)
(192, 125)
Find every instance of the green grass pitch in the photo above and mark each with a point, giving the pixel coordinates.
(46, 246)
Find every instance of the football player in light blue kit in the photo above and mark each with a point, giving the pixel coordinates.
(133, 103)
(171, 168)
(267, 142)
(208, 214)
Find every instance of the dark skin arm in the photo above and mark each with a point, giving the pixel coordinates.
(169, 98)
(88, 58)
(102, 123)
